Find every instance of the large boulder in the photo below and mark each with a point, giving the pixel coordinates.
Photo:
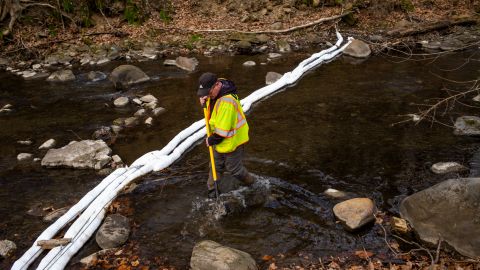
(209, 255)
(358, 49)
(467, 125)
(448, 211)
(86, 154)
(125, 75)
(114, 232)
(355, 213)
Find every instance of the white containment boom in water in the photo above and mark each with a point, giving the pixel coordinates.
(94, 204)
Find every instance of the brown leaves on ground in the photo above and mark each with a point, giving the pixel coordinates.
(363, 254)
(128, 258)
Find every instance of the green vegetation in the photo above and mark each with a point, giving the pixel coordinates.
(67, 6)
(165, 16)
(192, 40)
(406, 5)
(132, 13)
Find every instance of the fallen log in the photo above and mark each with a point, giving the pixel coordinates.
(51, 243)
(431, 26)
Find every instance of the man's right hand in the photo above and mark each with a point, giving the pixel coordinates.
(203, 100)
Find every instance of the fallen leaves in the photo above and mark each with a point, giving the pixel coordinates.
(363, 254)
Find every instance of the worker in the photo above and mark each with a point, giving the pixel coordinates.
(228, 126)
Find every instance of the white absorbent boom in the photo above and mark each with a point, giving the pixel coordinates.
(94, 204)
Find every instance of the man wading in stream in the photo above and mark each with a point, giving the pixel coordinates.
(228, 126)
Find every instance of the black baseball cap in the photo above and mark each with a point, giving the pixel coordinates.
(206, 81)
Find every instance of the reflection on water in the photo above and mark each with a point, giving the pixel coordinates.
(331, 130)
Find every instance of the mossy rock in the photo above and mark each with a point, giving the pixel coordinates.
(407, 5)
(350, 19)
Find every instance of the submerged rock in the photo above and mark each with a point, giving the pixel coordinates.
(86, 154)
(103, 133)
(209, 255)
(447, 211)
(467, 126)
(236, 197)
(355, 213)
(7, 248)
(125, 75)
(113, 232)
(96, 76)
(61, 76)
(358, 49)
(447, 167)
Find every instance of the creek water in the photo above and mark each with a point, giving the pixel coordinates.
(330, 130)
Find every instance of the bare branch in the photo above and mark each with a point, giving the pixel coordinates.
(275, 31)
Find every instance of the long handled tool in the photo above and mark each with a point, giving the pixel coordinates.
(210, 149)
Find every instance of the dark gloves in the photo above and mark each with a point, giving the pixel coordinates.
(214, 139)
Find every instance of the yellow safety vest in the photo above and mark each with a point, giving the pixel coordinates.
(228, 120)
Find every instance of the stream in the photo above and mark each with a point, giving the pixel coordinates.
(333, 129)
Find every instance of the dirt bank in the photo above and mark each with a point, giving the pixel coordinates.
(183, 27)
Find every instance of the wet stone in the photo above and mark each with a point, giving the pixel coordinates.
(451, 45)
(131, 121)
(158, 111)
(54, 215)
(81, 155)
(337, 194)
(357, 49)
(125, 75)
(148, 98)
(7, 248)
(48, 144)
(433, 45)
(185, 63)
(24, 157)
(96, 76)
(140, 112)
(446, 211)
(447, 167)
(272, 77)
(467, 126)
(114, 232)
(121, 102)
(26, 142)
(61, 76)
(209, 255)
(274, 55)
(355, 213)
(149, 121)
(249, 64)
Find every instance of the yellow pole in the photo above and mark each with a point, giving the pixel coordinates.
(210, 148)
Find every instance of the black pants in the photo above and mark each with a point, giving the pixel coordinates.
(231, 162)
